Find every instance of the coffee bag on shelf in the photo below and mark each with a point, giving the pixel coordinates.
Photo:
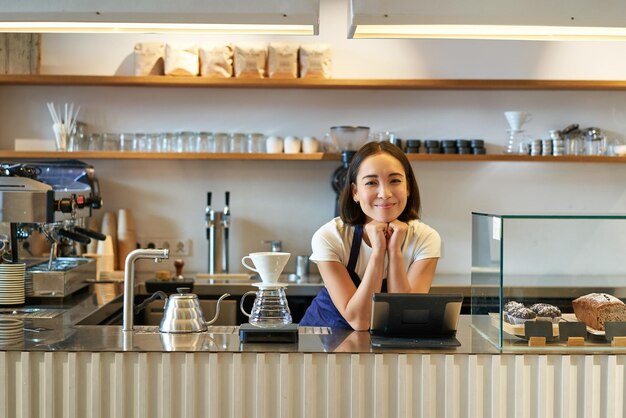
(149, 58)
(315, 61)
(181, 61)
(250, 60)
(282, 60)
(216, 61)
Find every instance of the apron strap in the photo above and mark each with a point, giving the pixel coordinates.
(357, 238)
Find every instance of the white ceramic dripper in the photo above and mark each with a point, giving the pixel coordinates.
(517, 119)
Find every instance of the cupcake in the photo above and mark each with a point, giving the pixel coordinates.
(546, 312)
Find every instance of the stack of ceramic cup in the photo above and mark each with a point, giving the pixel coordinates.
(11, 331)
(12, 283)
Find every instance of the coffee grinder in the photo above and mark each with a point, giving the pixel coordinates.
(348, 139)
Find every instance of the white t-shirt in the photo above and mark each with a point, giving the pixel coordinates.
(333, 241)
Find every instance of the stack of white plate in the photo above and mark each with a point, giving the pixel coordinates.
(11, 331)
(12, 283)
(28, 283)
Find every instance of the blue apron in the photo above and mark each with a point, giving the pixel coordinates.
(322, 311)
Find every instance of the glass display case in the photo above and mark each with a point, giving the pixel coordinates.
(548, 259)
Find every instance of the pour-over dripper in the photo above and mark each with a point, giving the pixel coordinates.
(517, 119)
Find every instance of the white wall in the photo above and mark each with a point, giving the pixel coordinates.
(289, 200)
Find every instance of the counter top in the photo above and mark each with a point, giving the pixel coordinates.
(219, 339)
(53, 326)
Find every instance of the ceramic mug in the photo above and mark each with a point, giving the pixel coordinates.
(309, 144)
(269, 265)
(292, 145)
(274, 144)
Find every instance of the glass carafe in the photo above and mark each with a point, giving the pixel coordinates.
(518, 143)
(270, 308)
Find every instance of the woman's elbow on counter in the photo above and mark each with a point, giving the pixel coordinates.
(358, 325)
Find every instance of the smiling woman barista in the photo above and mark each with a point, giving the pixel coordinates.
(377, 244)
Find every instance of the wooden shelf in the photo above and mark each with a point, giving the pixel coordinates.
(116, 155)
(416, 84)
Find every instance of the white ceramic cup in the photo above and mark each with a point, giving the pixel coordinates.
(310, 144)
(292, 145)
(274, 144)
(269, 265)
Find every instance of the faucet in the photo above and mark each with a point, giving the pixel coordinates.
(129, 280)
(277, 246)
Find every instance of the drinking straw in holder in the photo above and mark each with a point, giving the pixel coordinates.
(63, 128)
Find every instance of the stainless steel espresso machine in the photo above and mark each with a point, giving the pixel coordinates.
(54, 199)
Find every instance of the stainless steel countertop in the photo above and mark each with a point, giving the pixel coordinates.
(61, 333)
(221, 339)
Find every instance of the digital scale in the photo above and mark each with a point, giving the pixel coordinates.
(286, 334)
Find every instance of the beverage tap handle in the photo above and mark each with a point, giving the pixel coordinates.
(178, 265)
(226, 218)
(207, 215)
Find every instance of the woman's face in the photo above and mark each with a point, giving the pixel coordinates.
(381, 188)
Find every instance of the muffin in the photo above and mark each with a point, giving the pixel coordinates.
(546, 312)
(520, 315)
(509, 306)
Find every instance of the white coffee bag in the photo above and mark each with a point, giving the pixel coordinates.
(250, 60)
(282, 60)
(216, 61)
(181, 61)
(315, 61)
(149, 58)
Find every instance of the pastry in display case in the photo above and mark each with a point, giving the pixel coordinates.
(530, 271)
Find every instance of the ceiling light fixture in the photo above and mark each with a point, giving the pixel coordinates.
(489, 19)
(281, 17)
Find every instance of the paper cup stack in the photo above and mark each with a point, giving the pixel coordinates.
(12, 283)
(11, 331)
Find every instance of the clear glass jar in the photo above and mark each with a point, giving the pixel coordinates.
(185, 142)
(128, 142)
(95, 142)
(595, 143)
(110, 142)
(166, 142)
(150, 142)
(574, 143)
(203, 141)
(237, 142)
(256, 142)
(79, 141)
(220, 142)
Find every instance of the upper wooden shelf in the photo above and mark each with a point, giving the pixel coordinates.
(421, 84)
(116, 155)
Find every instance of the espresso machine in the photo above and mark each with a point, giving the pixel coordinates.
(53, 199)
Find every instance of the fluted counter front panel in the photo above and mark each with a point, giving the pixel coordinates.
(222, 385)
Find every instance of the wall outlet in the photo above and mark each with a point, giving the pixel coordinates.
(179, 247)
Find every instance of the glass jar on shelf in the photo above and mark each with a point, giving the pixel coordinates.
(237, 142)
(256, 142)
(78, 141)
